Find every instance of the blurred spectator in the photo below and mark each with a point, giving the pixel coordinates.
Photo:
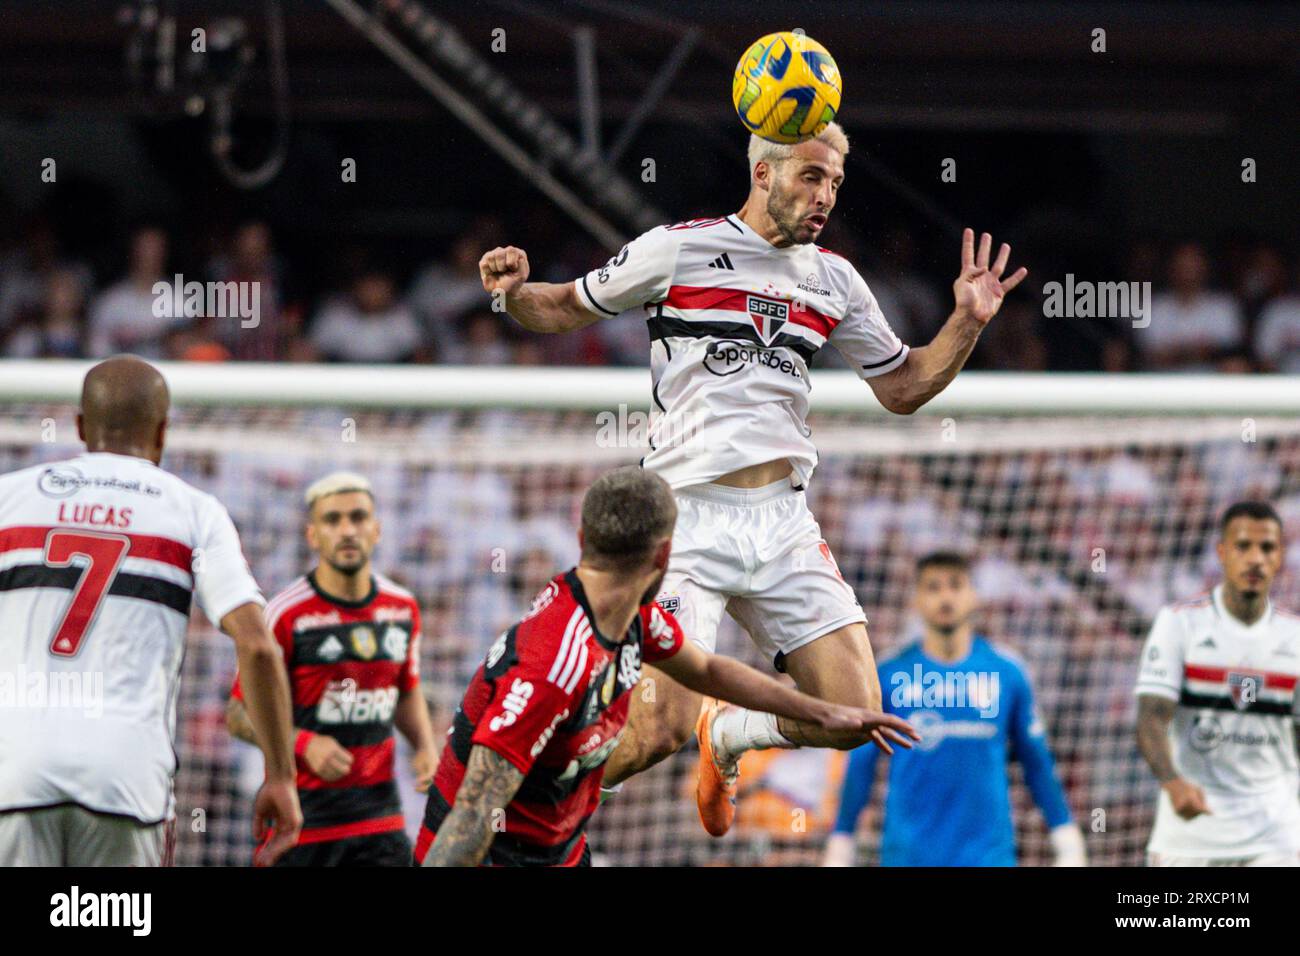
(1011, 341)
(369, 325)
(923, 307)
(252, 258)
(123, 318)
(1261, 280)
(1277, 343)
(59, 331)
(197, 343)
(25, 274)
(479, 340)
(1277, 334)
(445, 291)
(1190, 326)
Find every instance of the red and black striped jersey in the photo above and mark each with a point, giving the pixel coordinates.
(348, 663)
(552, 698)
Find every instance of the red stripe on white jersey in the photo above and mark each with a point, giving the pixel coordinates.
(688, 298)
(695, 224)
(148, 546)
(1219, 675)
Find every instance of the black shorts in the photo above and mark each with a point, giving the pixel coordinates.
(381, 849)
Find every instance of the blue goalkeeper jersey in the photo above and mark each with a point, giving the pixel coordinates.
(949, 802)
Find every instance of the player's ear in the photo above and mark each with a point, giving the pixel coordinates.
(160, 439)
(662, 553)
(81, 428)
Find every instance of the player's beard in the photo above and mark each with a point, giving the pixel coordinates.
(351, 567)
(782, 207)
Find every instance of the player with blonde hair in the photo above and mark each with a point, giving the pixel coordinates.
(737, 306)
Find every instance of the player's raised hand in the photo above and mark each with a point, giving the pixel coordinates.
(276, 809)
(327, 758)
(1187, 798)
(884, 727)
(980, 288)
(504, 268)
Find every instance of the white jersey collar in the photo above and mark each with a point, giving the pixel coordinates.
(1216, 596)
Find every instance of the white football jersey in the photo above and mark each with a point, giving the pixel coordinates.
(99, 558)
(734, 322)
(1233, 730)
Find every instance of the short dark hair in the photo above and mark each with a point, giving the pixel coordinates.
(1259, 510)
(952, 560)
(625, 513)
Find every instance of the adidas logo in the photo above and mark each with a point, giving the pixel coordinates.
(1208, 642)
(722, 262)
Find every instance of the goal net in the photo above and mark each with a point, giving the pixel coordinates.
(1082, 519)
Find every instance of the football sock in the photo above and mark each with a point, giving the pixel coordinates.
(737, 729)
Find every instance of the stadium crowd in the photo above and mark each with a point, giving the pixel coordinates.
(1237, 309)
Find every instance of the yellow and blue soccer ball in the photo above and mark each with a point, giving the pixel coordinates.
(786, 88)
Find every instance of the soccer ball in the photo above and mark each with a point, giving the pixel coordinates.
(786, 88)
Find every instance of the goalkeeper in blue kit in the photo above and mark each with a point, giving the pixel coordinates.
(949, 802)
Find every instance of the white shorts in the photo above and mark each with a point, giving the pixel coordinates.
(758, 553)
(1259, 859)
(69, 835)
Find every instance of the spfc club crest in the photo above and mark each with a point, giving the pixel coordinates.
(1244, 687)
(768, 315)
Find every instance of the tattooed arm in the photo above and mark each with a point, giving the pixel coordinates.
(1154, 715)
(490, 784)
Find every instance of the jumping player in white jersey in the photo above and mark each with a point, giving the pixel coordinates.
(737, 306)
(99, 558)
(1216, 701)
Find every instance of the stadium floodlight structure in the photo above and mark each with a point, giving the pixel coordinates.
(1086, 502)
(409, 35)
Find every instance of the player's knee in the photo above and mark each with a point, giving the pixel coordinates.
(669, 736)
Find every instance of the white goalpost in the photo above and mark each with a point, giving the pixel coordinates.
(1085, 501)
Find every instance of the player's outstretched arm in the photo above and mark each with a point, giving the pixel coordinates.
(732, 681)
(491, 782)
(537, 306)
(266, 694)
(1154, 714)
(978, 293)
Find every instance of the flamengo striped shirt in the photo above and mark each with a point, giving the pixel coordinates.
(348, 661)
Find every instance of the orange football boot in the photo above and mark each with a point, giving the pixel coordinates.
(715, 787)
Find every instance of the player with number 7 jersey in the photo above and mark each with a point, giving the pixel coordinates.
(100, 556)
